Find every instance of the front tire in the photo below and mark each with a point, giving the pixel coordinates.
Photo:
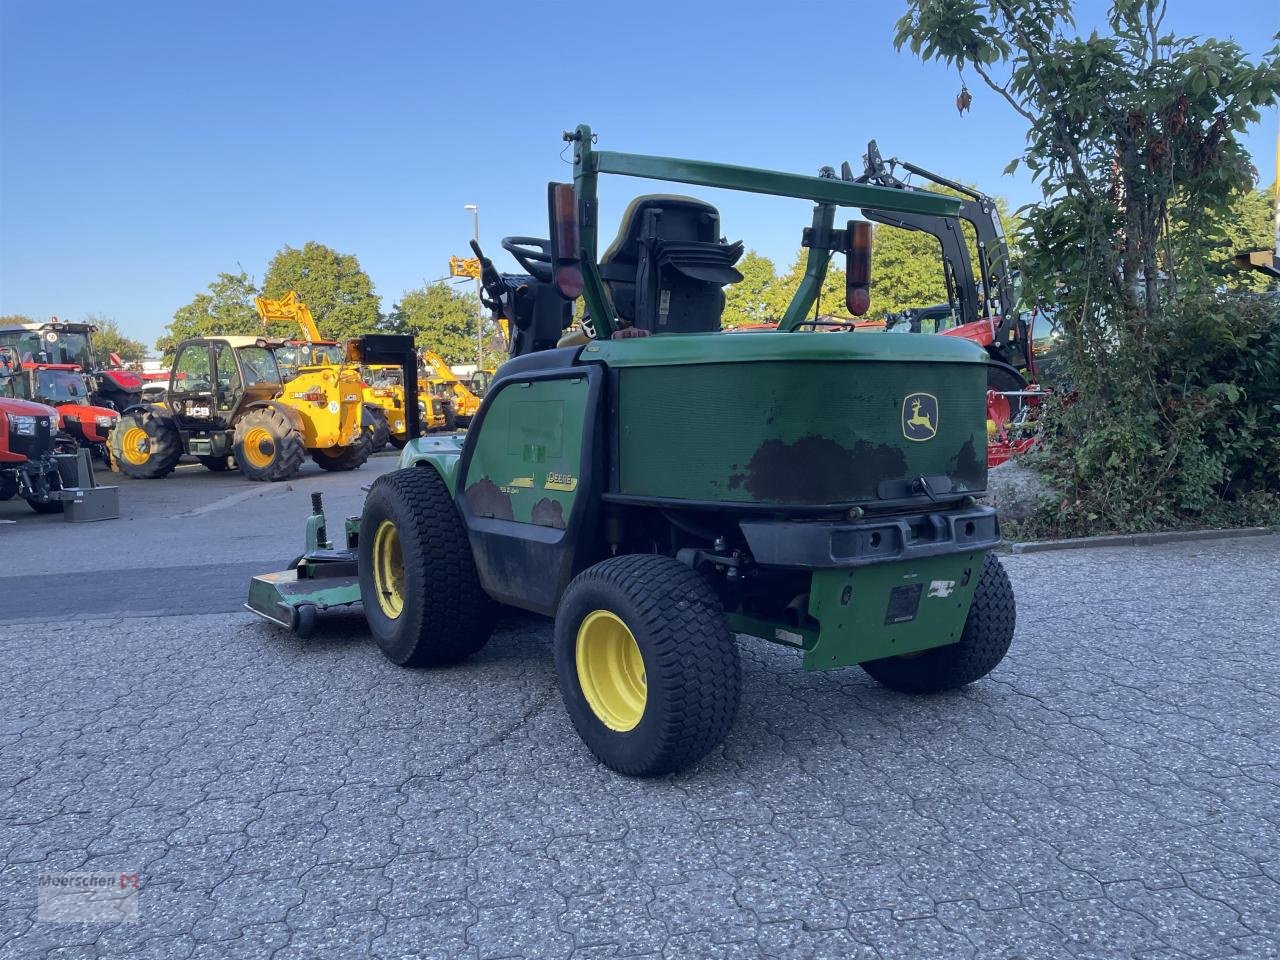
(266, 446)
(988, 631)
(421, 593)
(145, 446)
(647, 666)
(49, 506)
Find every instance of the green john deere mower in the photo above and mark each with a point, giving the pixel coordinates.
(658, 486)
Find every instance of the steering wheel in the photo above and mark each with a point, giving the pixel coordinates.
(532, 253)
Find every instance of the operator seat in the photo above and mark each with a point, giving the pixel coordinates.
(667, 269)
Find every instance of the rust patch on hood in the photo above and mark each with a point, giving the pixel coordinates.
(818, 470)
(486, 500)
(548, 513)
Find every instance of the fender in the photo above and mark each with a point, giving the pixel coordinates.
(288, 412)
(1014, 372)
(160, 411)
(437, 453)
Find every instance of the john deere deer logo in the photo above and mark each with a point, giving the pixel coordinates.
(920, 416)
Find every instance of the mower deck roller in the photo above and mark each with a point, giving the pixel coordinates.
(814, 490)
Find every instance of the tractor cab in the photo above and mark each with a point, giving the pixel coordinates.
(212, 379)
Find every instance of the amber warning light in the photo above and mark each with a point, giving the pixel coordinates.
(857, 275)
(565, 245)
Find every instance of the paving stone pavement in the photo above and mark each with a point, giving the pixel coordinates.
(1110, 792)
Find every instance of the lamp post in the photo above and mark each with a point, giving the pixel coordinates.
(475, 213)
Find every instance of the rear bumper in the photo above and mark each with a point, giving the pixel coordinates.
(819, 545)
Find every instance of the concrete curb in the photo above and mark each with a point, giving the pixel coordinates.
(1137, 539)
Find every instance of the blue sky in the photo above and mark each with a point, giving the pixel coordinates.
(146, 146)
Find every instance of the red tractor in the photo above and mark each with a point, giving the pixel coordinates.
(66, 388)
(57, 344)
(29, 438)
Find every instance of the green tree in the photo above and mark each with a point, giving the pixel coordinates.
(830, 299)
(906, 271)
(337, 291)
(226, 310)
(1248, 223)
(1132, 136)
(111, 339)
(750, 300)
(441, 318)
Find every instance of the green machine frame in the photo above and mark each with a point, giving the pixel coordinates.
(827, 192)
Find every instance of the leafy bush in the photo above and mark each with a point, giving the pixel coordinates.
(1193, 434)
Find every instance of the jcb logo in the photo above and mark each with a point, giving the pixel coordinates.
(920, 416)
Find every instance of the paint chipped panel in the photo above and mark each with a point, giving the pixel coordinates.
(527, 457)
(548, 513)
(487, 499)
(818, 470)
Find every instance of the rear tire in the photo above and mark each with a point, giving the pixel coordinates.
(374, 420)
(988, 631)
(145, 446)
(673, 705)
(267, 447)
(345, 458)
(450, 416)
(418, 582)
(217, 464)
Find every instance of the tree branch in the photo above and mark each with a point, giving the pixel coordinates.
(1004, 92)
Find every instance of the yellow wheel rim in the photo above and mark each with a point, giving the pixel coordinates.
(611, 670)
(135, 446)
(388, 569)
(259, 447)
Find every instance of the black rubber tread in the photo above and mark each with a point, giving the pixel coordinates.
(447, 615)
(375, 421)
(52, 506)
(1001, 378)
(398, 441)
(450, 415)
(288, 442)
(8, 486)
(988, 631)
(346, 458)
(166, 445)
(692, 667)
(217, 464)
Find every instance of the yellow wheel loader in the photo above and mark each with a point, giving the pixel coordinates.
(227, 398)
(445, 383)
(380, 386)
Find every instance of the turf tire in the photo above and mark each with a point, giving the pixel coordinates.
(988, 631)
(287, 441)
(692, 670)
(447, 616)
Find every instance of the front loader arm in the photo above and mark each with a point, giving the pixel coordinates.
(289, 309)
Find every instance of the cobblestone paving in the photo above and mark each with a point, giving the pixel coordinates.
(1110, 792)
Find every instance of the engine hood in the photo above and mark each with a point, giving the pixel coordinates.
(25, 408)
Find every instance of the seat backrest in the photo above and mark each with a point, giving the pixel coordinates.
(667, 268)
